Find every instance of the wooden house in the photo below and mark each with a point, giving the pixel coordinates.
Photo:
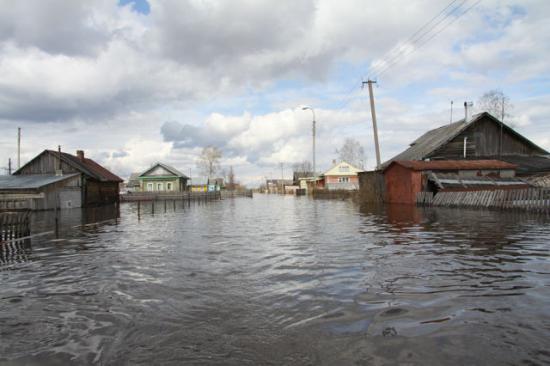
(482, 137)
(404, 179)
(342, 176)
(96, 184)
(162, 178)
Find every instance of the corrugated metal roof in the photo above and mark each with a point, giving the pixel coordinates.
(31, 181)
(453, 164)
(529, 164)
(448, 180)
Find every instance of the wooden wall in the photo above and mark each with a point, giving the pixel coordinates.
(371, 186)
(46, 163)
(484, 140)
(99, 193)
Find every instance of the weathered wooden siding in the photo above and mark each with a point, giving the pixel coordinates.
(372, 187)
(99, 193)
(483, 140)
(46, 164)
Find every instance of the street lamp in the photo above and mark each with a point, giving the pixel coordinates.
(313, 130)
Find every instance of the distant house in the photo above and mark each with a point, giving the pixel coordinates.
(198, 184)
(342, 176)
(94, 184)
(162, 178)
(481, 137)
(404, 179)
(277, 185)
(133, 184)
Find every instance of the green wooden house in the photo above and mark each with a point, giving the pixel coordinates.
(162, 178)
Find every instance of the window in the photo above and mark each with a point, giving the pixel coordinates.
(343, 168)
(168, 186)
(160, 187)
(150, 187)
(343, 180)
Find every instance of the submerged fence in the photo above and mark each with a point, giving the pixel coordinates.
(183, 196)
(532, 199)
(14, 225)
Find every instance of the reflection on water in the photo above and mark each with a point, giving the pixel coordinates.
(279, 280)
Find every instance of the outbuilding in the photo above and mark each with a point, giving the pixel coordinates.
(404, 179)
(96, 184)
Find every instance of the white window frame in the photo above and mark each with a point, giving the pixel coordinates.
(150, 187)
(160, 186)
(169, 186)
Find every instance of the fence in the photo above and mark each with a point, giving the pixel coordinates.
(14, 224)
(169, 196)
(532, 199)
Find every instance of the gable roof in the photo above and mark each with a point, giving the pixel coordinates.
(432, 140)
(86, 166)
(353, 169)
(452, 164)
(167, 167)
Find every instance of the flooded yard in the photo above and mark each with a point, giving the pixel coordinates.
(279, 280)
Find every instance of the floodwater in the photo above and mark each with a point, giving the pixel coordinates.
(279, 281)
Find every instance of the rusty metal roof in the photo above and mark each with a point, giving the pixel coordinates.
(85, 166)
(453, 164)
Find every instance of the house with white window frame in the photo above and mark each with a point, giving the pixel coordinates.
(342, 176)
(162, 178)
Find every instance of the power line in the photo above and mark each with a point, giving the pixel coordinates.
(412, 37)
(445, 26)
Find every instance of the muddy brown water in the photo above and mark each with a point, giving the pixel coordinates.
(279, 281)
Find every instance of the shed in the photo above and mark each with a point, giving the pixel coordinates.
(405, 178)
(41, 192)
(97, 184)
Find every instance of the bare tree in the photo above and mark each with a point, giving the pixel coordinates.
(496, 103)
(302, 167)
(352, 152)
(208, 161)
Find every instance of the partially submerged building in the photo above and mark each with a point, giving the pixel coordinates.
(481, 137)
(81, 176)
(40, 191)
(404, 179)
(162, 178)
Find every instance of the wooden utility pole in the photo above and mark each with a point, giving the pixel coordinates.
(374, 126)
(18, 147)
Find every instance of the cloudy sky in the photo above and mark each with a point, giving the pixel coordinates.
(134, 82)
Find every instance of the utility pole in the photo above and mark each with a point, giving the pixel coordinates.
(374, 126)
(18, 147)
(9, 166)
(313, 132)
(451, 121)
(501, 125)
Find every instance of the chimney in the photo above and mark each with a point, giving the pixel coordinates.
(80, 154)
(58, 171)
(333, 161)
(467, 111)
